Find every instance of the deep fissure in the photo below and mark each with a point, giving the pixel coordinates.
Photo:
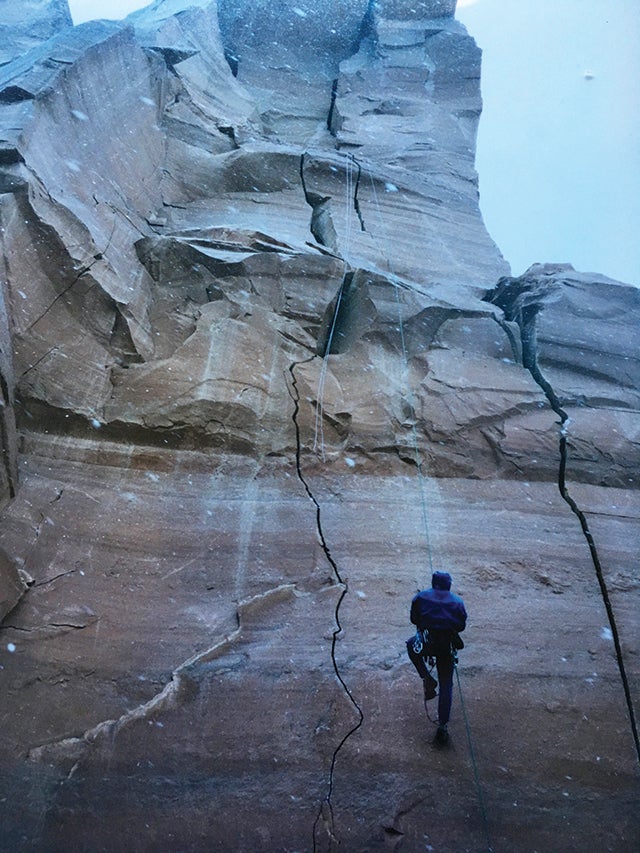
(326, 804)
(522, 306)
(7, 427)
(332, 107)
(356, 200)
(336, 325)
(321, 225)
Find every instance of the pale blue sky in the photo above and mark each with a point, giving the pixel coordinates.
(559, 140)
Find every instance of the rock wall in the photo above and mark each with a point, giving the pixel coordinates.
(269, 368)
(29, 24)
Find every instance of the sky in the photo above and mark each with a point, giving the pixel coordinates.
(559, 141)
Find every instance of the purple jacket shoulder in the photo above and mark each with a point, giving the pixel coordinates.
(438, 609)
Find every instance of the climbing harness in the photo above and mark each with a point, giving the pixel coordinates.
(426, 646)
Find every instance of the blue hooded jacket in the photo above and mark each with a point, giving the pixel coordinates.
(439, 609)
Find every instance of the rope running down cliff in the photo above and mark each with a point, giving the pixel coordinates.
(423, 500)
(318, 438)
(409, 392)
(325, 810)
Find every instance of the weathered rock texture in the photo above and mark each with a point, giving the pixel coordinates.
(26, 24)
(268, 368)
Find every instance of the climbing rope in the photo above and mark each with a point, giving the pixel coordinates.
(318, 432)
(325, 810)
(423, 501)
(408, 391)
(474, 763)
(349, 206)
(319, 443)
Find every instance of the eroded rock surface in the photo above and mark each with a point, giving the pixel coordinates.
(268, 368)
(27, 24)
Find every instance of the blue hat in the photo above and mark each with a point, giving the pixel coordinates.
(441, 580)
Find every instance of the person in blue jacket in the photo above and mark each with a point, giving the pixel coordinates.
(439, 616)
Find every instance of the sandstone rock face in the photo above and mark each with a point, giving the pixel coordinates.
(8, 439)
(12, 584)
(25, 25)
(582, 331)
(269, 369)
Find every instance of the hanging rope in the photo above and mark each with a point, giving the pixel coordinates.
(349, 202)
(474, 763)
(408, 392)
(423, 501)
(318, 432)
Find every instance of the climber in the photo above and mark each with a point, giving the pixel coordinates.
(439, 616)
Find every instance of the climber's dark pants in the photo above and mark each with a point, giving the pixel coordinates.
(444, 666)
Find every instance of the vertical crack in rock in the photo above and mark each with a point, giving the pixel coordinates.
(321, 226)
(8, 435)
(514, 341)
(332, 106)
(356, 201)
(338, 320)
(325, 810)
(522, 300)
(232, 60)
